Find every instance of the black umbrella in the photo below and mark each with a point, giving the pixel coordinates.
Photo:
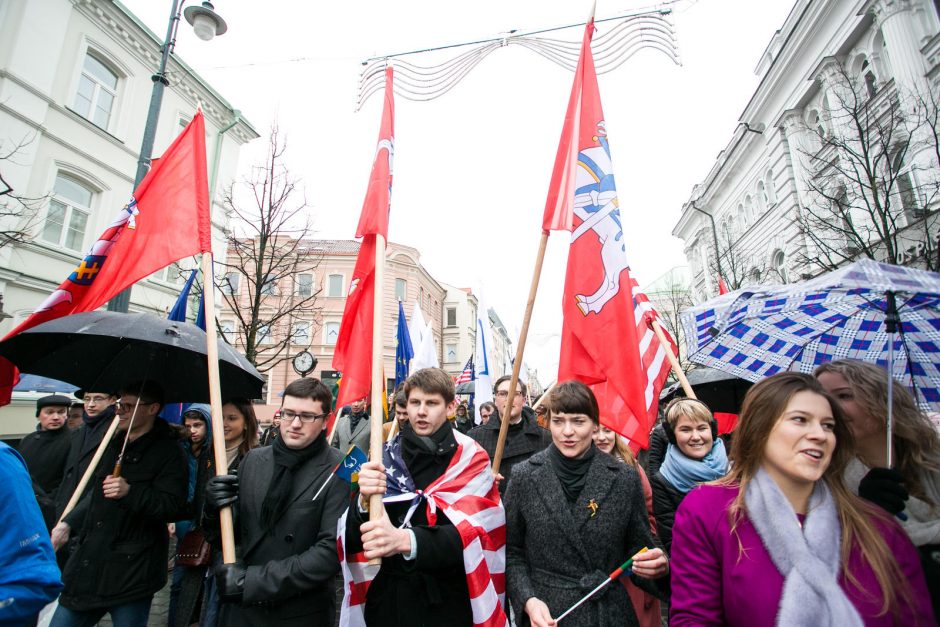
(105, 350)
(722, 392)
(466, 387)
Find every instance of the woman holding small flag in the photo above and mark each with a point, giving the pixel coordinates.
(695, 454)
(573, 515)
(781, 540)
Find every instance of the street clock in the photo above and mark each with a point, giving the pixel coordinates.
(304, 363)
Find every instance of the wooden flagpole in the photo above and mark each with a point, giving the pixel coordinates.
(215, 400)
(544, 395)
(91, 467)
(520, 349)
(376, 509)
(686, 387)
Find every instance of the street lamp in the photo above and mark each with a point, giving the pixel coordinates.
(206, 24)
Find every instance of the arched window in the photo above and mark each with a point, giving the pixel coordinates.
(97, 91)
(867, 76)
(749, 207)
(742, 218)
(779, 263)
(762, 196)
(67, 216)
(815, 122)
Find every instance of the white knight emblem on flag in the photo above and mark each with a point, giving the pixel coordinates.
(595, 202)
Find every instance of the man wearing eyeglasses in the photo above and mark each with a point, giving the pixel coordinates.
(287, 538)
(119, 561)
(525, 437)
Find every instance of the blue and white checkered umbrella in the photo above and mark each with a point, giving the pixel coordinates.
(755, 332)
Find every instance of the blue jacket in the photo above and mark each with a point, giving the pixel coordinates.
(29, 576)
(194, 462)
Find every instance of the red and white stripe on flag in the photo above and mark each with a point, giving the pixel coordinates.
(467, 375)
(467, 494)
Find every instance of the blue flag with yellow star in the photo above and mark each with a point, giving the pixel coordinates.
(404, 351)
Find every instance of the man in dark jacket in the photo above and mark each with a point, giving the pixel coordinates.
(120, 559)
(286, 526)
(524, 438)
(45, 451)
(83, 442)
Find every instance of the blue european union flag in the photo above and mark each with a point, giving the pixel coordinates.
(178, 313)
(348, 467)
(404, 351)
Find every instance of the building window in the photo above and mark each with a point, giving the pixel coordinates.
(301, 333)
(228, 330)
(451, 353)
(68, 213)
(230, 283)
(907, 191)
(779, 262)
(173, 273)
(451, 316)
(264, 334)
(762, 196)
(869, 80)
(304, 284)
(401, 289)
(330, 333)
(97, 90)
(335, 285)
(769, 188)
(269, 287)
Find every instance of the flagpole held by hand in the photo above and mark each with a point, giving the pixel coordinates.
(376, 441)
(99, 453)
(520, 349)
(215, 398)
(611, 577)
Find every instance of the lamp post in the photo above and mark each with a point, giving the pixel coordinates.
(206, 24)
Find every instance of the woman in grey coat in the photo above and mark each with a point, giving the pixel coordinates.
(573, 515)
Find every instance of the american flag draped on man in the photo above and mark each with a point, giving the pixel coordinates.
(466, 492)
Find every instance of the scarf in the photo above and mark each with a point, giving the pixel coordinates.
(286, 461)
(91, 421)
(572, 473)
(426, 457)
(808, 559)
(354, 420)
(684, 473)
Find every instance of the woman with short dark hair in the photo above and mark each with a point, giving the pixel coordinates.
(572, 517)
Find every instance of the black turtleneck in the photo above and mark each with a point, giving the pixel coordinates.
(571, 472)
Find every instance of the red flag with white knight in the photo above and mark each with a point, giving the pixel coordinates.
(166, 220)
(606, 340)
(353, 354)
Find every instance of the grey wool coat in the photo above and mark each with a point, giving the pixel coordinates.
(345, 437)
(558, 552)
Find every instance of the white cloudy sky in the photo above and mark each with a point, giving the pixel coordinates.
(472, 168)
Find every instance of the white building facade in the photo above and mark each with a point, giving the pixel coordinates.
(747, 221)
(75, 87)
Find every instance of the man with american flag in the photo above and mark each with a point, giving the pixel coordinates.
(442, 539)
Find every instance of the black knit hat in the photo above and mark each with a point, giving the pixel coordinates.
(53, 400)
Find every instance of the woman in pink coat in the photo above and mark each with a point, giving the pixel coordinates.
(781, 540)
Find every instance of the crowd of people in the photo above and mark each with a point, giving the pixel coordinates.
(795, 518)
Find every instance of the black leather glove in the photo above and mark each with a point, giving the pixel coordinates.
(230, 580)
(221, 491)
(884, 487)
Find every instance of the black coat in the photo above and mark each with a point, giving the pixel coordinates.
(431, 590)
(520, 445)
(45, 453)
(290, 567)
(666, 499)
(657, 451)
(558, 552)
(122, 544)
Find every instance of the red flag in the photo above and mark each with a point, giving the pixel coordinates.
(722, 288)
(353, 354)
(606, 341)
(166, 220)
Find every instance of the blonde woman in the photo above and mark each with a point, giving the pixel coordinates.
(781, 540)
(913, 485)
(695, 454)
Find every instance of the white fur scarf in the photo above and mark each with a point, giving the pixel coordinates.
(809, 561)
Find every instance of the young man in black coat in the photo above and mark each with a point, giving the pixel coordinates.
(287, 538)
(423, 578)
(120, 524)
(525, 437)
(45, 451)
